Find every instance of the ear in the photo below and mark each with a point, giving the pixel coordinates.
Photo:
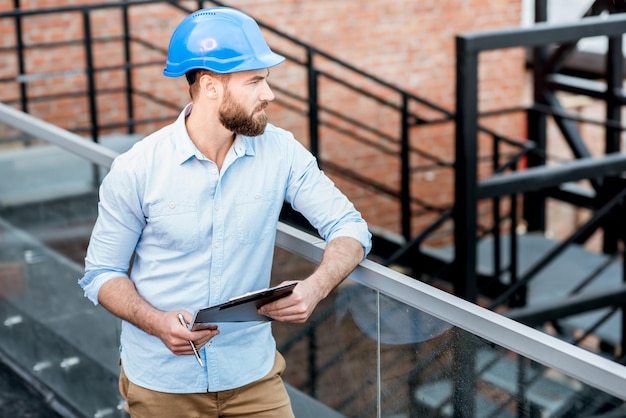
(210, 86)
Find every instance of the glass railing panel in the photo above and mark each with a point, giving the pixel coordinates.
(430, 366)
(368, 355)
(329, 358)
(413, 347)
(432, 369)
(48, 329)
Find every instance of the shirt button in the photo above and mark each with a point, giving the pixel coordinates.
(217, 207)
(216, 279)
(172, 205)
(257, 195)
(214, 171)
(218, 245)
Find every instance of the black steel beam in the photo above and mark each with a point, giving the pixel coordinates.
(313, 101)
(615, 92)
(466, 170)
(568, 127)
(544, 32)
(537, 178)
(591, 88)
(581, 303)
(405, 171)
(559, 57)
(614, 80)
(577, 85)
(534, 204)
(465, 212)
(574, 194)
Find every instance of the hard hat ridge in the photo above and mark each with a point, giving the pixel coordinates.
(219, 39)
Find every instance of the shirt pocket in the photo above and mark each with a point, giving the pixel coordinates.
(176, 225)
(255, 216)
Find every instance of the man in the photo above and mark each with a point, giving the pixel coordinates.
(196, 206)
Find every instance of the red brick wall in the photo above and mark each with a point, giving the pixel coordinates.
(409, 44)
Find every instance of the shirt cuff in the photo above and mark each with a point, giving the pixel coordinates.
(356, 231)
(93, 288)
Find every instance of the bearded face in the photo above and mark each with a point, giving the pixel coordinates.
(237, 119)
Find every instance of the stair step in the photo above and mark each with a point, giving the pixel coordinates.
(556, 281)
(549, 394)
(436, 397)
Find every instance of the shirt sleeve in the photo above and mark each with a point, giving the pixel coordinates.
(117, 229)
(316, 197)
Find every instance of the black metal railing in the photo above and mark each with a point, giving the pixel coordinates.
(318, 114)
(542, 180)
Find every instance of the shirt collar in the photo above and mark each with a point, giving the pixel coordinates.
(242, 147)
(184, 148)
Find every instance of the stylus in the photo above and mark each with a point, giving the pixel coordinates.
(181, 318)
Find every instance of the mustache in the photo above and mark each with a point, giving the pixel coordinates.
(262, 106)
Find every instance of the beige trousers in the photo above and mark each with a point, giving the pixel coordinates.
(266, 397)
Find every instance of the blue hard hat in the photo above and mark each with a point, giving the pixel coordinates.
(219, 39)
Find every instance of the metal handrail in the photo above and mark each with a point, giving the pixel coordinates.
(69, 141)
(590, 368)
(576, 362)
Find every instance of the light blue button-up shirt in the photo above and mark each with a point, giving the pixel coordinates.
(201, 236)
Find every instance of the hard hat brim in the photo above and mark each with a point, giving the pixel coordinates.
(224, 66)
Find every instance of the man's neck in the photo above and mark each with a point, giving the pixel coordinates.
(208, 134)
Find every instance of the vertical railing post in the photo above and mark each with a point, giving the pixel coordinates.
(519, 297)
(313, 362)
(534, 202)
(130, 111)
(91, 90)
(21, 67)
(465, 214)
(523, 405)
(622, 207)
(314, 148)
(313, 104)
(405, 170)
(90, 74)
(614, 77)
(497, 216)
(466, 171)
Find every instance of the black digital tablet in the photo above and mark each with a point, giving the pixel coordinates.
(242, 308)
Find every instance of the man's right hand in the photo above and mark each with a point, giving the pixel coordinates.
(176, 337)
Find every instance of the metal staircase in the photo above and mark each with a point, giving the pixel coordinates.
(527, 276)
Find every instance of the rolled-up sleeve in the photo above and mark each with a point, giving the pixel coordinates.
(116, 232)
(316, 197)
(357, 230)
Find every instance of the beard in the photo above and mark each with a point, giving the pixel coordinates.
(234, 117)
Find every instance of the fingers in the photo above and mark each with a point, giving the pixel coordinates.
(179, 335)
(297, 307)
(288, 309)
(199, 339)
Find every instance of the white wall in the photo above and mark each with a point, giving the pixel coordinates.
(560, 11)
